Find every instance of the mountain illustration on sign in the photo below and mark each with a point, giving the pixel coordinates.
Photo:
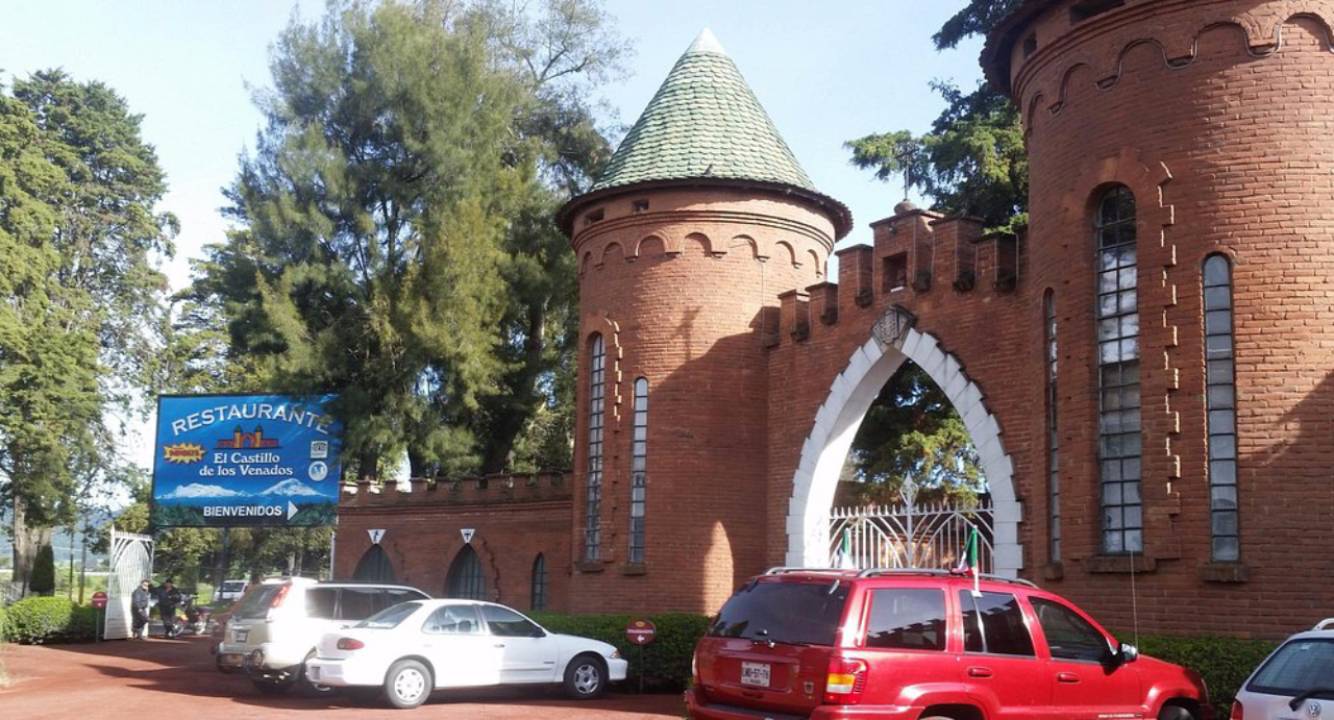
(287, 488)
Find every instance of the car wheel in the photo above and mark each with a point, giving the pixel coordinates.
(224, 669)
(309, 688)
(1175, 712)
(585, 677)
(272, 687)
(407, 684)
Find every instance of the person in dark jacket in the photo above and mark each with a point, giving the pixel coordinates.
(139, 601)
(169, 598)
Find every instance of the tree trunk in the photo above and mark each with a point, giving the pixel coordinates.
(220, 561)
(27, 541)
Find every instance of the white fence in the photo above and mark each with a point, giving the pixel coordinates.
(931, 535)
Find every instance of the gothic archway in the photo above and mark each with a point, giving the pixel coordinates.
(467, 577)
(893, 341)
(375, 566)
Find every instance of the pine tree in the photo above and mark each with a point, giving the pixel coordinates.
(43, 581)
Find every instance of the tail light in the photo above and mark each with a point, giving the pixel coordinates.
(277, 600)
(350, 644)
(1237, 712)
(845, 682)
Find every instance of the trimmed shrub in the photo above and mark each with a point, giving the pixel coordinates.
(40, 620)
(1224, 662)
(43, 580)
(666, 661)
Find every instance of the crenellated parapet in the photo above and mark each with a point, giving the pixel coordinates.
(496, 489)
(916, 253)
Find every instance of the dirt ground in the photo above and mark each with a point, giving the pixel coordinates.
(177, 679)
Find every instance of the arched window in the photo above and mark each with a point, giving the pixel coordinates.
(1119, 441)
(374, 566)
(466, 579)
(596, 396)
(539, 589)
(639, 471)
(1221, 401)
(1053, 430)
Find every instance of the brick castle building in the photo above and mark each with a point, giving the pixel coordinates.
(1147, 374)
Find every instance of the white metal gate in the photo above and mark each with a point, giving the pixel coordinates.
(131, 563)
(931, 535)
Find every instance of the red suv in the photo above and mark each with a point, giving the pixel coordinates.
(920, 644)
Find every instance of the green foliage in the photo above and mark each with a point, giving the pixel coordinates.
(1224, 662)
(666, 661)
(4, 624)
(977, 18)
(41, 620)
(912, 430)
(43, 580)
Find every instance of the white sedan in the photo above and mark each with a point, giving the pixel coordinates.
(415, 647)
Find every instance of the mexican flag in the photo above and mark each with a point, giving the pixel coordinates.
(968, 562)
(845, 561)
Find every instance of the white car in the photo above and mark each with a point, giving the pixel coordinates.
(418, 646)
(230, 590)
(1295, 682)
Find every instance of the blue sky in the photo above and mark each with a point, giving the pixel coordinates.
(827, 72)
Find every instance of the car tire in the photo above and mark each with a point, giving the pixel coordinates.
(407, 684)
(1175, 712)
(308, 688)
(585, 677)
(224, 669)
(272, 687)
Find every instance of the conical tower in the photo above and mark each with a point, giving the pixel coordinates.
(702, 218)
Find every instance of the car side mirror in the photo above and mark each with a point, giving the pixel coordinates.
(1127, 653)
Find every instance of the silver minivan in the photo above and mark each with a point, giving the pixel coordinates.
(1295, 682)
(274, 629)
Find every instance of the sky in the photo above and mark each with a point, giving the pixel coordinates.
(827, 72)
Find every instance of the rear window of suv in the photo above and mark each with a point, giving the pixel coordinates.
(257, 602)
(790, 612)
(907, 619)
(1298, 667)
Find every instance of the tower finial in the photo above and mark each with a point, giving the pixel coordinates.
(706, 43)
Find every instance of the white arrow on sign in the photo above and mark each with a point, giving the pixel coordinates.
(467, 534)
(376, 535)
(291, 509)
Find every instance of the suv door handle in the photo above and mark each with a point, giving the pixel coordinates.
(979, 672)
(1067, 677)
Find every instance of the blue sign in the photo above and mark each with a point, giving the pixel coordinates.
(242, 460)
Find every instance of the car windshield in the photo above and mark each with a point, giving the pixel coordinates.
(233, 586)
(257, 602)
(799, 613)
(1298, 667)
(389, 617)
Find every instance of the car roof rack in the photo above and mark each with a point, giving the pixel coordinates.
(1326, 624)
(879, 572)
(782, 570)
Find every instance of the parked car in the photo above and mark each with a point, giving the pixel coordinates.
(901, 645)
(274, 629)
(230, 590)
(1295, 681)
(413, 648)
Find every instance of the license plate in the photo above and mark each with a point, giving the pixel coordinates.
(755, 674)
(240, 635)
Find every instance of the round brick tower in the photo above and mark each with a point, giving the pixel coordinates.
(1181, 178)
(701, 220)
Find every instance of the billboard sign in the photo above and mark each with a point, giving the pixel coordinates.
(245, 460)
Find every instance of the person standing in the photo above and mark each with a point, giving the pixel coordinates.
(168, 600)
(139, 601)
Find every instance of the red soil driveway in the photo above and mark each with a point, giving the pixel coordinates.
(176, 679)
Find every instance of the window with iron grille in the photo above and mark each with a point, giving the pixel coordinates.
(596, 401)
(639, 471)
(1221, 403)
(539, 589)
(1119, 440)
(1053, 432)
(466, 579)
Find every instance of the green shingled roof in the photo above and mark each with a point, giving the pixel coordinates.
(704, 122)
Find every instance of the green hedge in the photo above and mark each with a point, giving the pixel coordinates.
(1225, 662)
(666, 661)
(40, 620)
(4, 635)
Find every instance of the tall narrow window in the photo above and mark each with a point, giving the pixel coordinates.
(1118, 373)
(639, 472)
(1221, 401)
(466, 578)
(596, 396)
(539, 590)
(1053, 430)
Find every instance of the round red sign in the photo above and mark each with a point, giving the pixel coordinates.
(640, 632)
(99, 600)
